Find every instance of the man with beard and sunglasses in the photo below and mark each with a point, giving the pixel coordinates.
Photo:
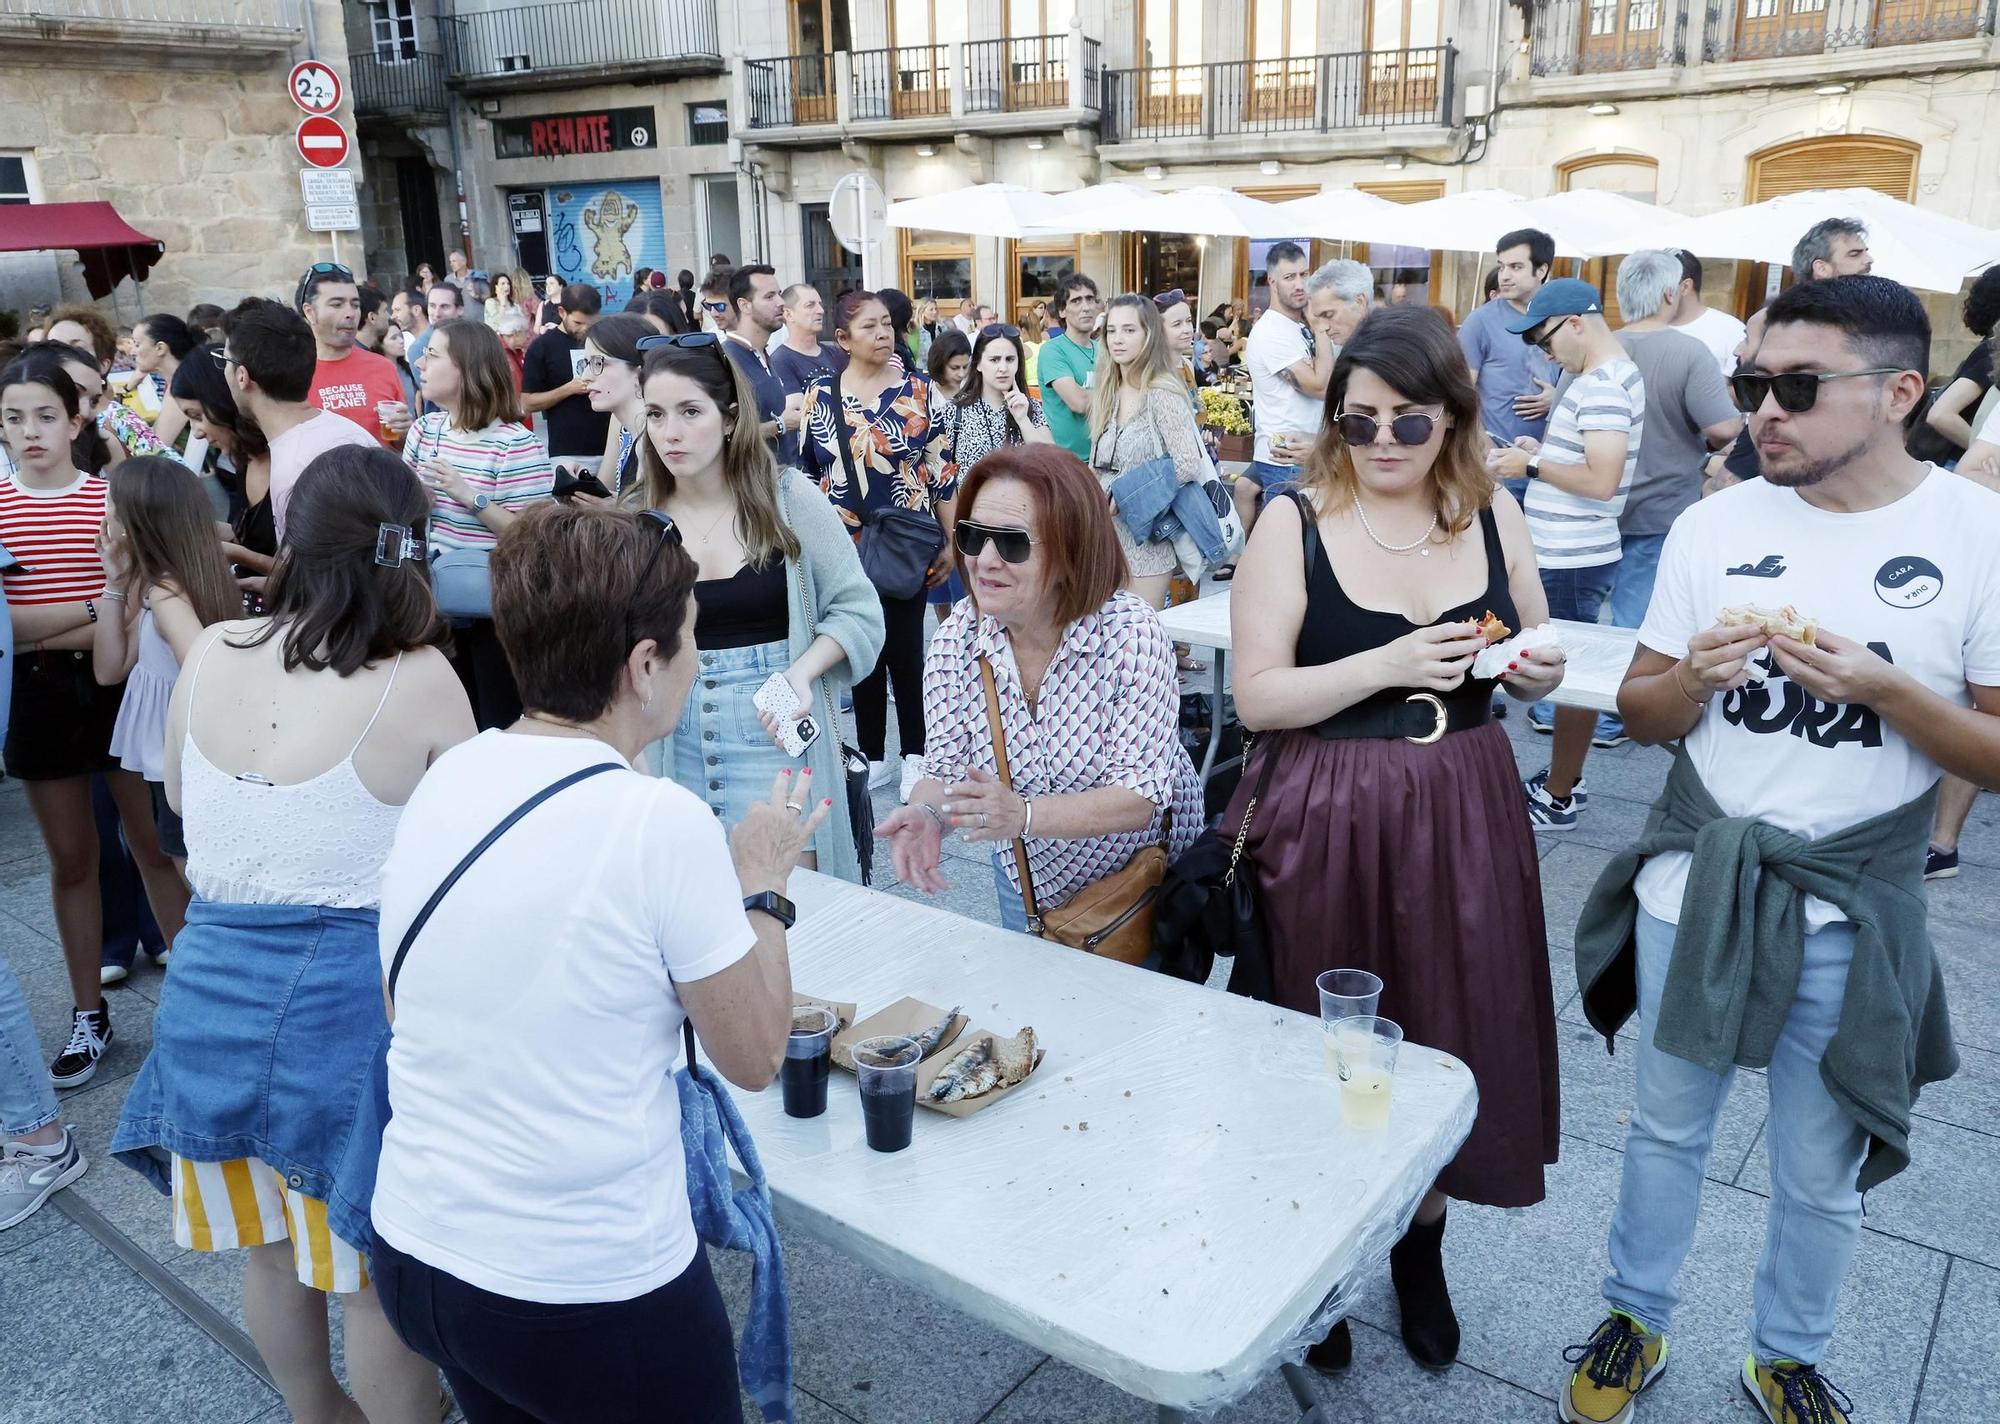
(1582, 471)
(1772, 914)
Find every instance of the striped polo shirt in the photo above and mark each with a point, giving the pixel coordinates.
(53, 533)
(1571, 532)
(505, 462)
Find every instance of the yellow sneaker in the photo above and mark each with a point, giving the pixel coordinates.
(1791, 1393)
(1618, 1361)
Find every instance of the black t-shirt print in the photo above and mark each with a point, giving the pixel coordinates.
(574, 429)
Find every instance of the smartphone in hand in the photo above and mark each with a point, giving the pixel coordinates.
(777, 698)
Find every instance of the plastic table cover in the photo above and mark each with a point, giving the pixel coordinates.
(1170, 1202)
(1598, 653)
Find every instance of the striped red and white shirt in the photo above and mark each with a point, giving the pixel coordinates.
(54, 534)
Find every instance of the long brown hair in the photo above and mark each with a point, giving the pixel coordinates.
(1157, 364)
(749, 472)
(1411, 350)
(170, 529)
(486, 391)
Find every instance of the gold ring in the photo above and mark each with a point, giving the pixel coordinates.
(1437, 727)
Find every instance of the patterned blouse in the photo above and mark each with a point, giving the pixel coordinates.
(975, 430)
(898, 449)
(1108, 715)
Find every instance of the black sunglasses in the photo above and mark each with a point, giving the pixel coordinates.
(670, 533)
(716, 306)
(1412, 429)
(1013, 545)
(1797, 391)
(1548, 334)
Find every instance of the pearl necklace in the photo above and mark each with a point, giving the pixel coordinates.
(1423, 539)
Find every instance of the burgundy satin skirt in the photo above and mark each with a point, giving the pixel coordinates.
(1417, 863)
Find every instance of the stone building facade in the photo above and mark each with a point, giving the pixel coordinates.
(182, 124)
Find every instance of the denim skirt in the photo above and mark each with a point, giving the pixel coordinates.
(719, 750)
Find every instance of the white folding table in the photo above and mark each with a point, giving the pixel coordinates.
(1169, 1203)
(1597, 653)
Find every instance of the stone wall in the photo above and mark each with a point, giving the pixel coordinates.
(201, 158)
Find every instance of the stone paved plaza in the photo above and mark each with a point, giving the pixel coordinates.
(103, 1320)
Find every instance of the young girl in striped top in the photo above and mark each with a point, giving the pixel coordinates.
(60, 731)
(482, 465)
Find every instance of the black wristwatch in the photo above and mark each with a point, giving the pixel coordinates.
(774, 905)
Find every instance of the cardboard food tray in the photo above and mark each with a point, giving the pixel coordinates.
(908, 1017)
(928, 1070)
(843, 1012)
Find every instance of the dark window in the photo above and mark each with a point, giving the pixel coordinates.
(708, 122)
(14, 180)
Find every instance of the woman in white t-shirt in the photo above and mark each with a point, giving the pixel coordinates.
(534, 1237)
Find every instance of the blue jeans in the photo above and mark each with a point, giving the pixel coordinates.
(719, 750)
(1814, 1220)
(27, 1102)
(1013, 914)
(1576, 595)
(1271, 480)
(1638, 567)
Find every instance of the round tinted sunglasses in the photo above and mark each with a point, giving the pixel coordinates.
(1412, 429)
(1797, 391)
(1013, 545)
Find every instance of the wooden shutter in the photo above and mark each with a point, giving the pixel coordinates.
(1885, 164)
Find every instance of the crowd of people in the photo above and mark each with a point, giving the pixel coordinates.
(324, 597)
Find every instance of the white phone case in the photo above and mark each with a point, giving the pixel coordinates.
(777, 698)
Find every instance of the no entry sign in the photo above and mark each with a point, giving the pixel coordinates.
(322, 142)
(314, 87)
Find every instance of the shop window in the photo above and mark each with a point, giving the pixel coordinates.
(937, 265)
(708, 122)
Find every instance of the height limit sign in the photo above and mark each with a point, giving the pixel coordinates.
(331, 205)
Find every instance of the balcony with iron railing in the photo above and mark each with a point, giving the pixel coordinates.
(398, 85)
(1024, 84)
(1596, 37)
(1310, 96)
(568, 42)
(1770, 29)
(158, 27)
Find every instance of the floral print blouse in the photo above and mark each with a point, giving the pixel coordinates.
(897, 448)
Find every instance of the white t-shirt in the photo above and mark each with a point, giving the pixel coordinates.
(1276, 343)
(1570, 531)
(1721, 333)
(535, 1147)
(300, 446)
(1915, 580)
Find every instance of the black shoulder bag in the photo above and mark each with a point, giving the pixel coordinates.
(898, 546)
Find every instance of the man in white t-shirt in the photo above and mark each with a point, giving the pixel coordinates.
(1829, 746)
(1581, 474)
(1289, 375)
(1720, 332)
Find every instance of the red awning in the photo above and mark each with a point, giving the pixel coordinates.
(111, 248)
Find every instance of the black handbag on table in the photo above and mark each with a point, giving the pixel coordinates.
(898, 546)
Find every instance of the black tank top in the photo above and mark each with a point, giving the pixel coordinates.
(1337, 627)
(745, 610)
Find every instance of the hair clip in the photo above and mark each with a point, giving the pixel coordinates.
(394, 544)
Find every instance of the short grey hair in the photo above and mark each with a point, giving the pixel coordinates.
(1646, 279)
(1817, 244)
(511, 320)
(1345, 278)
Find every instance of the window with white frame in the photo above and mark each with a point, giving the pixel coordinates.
(393, 24)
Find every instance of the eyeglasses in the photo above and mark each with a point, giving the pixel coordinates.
(594, 365)
(715, 306)
(222, 357)
(1797, 391)
(1548, 335)
(1013, 545)
(1412, 429)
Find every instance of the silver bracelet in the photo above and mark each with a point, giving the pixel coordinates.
(115, 595)
(938, 816)
(1027, 818)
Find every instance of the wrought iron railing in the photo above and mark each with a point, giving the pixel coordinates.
(397, 84)
(581, 34)
(1007, 76)
(791, 89)
(1310, 94)
(1768, 29)
(908, 82)
(1595, 37)
(239, 14)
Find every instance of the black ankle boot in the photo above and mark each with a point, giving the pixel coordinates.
(1335, 1352)
(1416, 1266)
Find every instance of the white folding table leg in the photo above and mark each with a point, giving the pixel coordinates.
(1216, 721)
(1302, 1389)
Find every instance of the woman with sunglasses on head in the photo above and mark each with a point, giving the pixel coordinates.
(1139, 412)
(292, 744)
(1089, 699)
(779, 590)
(1386, 796)
(483, 466)
(870, 437)
(610, 370)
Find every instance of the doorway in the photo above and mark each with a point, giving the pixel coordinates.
(417, 200)
(830, 267)
(724, 225)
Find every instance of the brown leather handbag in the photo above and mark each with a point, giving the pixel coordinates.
(1111, 916)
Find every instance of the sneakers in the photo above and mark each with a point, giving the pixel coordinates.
(878, 775)
(30, 1176)
(1546, 812)
(1621, 1358)
(89, 1036)
(1610, 732)
(113, 974)
(1940, 864)
(1541, 719)
(913, 772)
(1791, 1393)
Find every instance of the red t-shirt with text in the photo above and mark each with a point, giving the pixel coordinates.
(353, 385)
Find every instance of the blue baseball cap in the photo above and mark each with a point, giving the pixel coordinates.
(1565, 296)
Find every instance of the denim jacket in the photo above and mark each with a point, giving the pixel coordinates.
(1155, 504)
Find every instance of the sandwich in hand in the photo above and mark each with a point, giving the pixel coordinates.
(1786, 622)
(1491, 628)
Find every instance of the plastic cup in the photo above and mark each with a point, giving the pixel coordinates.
(1346, 994)
(887, 1068)
(808, 1062)
(1364, 1050)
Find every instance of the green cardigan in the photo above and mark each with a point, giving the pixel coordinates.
(826, 592)
(1741, 944)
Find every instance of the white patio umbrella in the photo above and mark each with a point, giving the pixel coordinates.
(983, 210)
(1601, 224)
(1084, 200)
(1348, 215)
(1475, 221)
(1212, 212)
(1914, 246)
